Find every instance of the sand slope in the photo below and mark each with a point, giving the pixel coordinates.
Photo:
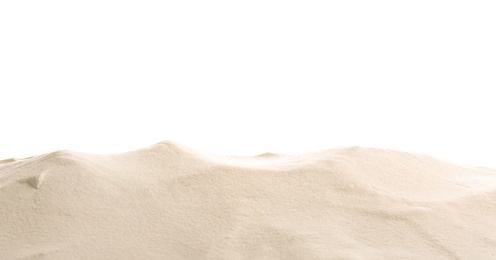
(171, 202)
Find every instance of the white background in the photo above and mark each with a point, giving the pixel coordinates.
(247, 77)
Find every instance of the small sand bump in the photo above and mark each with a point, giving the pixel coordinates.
(34, 181)
(267, 155)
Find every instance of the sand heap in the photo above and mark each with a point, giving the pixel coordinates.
(171, 202)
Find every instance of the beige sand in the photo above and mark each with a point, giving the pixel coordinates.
(171, 202)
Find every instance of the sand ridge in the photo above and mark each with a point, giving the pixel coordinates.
(170, 201)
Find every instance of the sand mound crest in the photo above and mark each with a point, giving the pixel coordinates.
(36, 170)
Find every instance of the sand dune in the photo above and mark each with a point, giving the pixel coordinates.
(168, 201)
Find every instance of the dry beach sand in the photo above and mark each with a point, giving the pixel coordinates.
(168, 201)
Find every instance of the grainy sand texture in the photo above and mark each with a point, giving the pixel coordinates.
(169, 201)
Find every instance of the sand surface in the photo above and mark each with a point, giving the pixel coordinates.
(168, 201)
